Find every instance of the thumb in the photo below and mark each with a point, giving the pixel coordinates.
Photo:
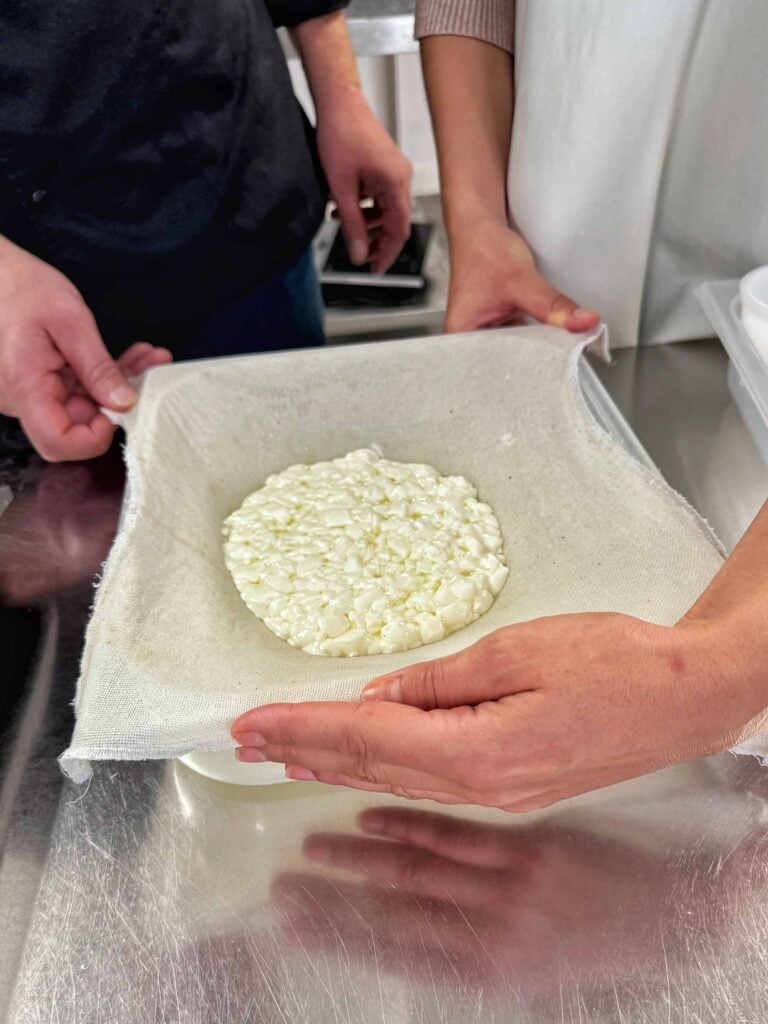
(352, 221)
(479, 673)
(544, 303)
(77, 337)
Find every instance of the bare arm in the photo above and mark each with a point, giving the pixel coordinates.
(736, 604)
(494, 280)
(359, 158)
(328, 58)
(470, 88)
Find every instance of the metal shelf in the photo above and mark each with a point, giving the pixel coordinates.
(377, 29)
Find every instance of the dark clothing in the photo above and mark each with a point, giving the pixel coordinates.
(153, 151)
(285, 312)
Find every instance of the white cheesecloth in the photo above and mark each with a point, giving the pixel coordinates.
(172, 654)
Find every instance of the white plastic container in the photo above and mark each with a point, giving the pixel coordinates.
(748, 370)
(753, 293)
(223, 766)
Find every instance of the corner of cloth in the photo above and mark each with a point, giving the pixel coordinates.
(757, 747)
(76, 769)
(597, 341)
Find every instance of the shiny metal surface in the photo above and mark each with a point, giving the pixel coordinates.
(381, 27)
(170, 898)
(378, 28)
(156, 895)
(677, 399)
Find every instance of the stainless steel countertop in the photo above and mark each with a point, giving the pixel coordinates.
(676, 397)
(154, 895)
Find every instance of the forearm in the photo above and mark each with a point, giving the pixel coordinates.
(329, 61)
(733, 612)
(470, 87)
(741, 586)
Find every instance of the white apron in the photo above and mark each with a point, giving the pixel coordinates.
(639, 163)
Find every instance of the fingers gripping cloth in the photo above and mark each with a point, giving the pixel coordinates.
(172, 653)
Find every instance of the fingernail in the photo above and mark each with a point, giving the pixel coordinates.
(558, 318)
(583, 314)
(384, 689)
(358, 252)
(300, 774)
(250, 755)
(123, 395)
(250, 739)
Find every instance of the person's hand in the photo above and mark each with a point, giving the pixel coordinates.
(494, 282)
(484, 904)
(361, 162)
(55, 371)
(529, 715)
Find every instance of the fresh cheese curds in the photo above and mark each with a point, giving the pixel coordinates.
(362, 555)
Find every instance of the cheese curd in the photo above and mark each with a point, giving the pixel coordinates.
(364, 556)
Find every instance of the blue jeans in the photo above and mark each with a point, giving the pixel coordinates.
(285, 312)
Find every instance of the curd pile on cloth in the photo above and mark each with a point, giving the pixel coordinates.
(362, 555)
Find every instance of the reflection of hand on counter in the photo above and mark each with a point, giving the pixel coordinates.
(483, 904)
(60, 532)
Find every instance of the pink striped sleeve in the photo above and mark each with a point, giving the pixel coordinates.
(493, 21)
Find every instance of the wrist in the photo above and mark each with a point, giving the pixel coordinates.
(731, 654)
(468, 212)
(340, 102)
